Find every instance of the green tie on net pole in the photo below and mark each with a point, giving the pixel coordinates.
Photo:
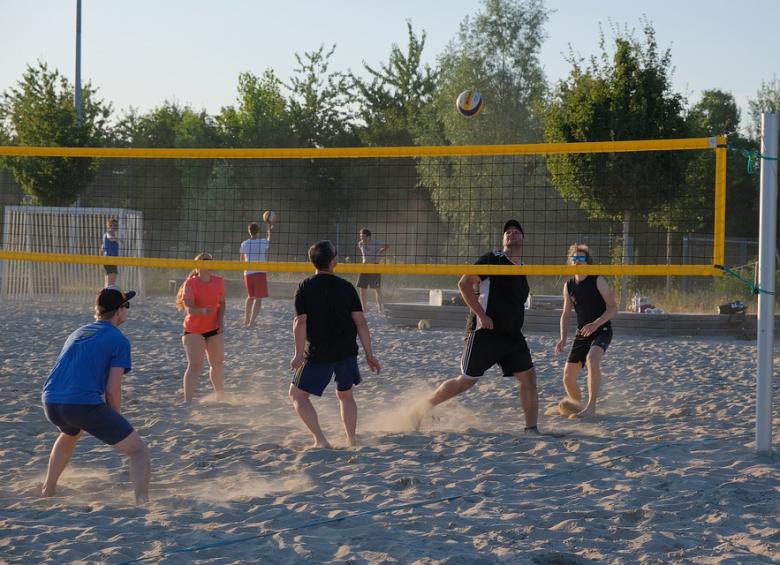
(754, 288)
(752, 156)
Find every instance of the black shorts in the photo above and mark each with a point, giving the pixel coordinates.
(206, 335)
(582, 344)
(314, 377)
(110, 269)
(99, 420)
(369, 280)
(484, 348)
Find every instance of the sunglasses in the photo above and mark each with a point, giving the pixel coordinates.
(126, 305)
(579, 258)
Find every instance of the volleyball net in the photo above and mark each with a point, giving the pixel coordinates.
(435, 208)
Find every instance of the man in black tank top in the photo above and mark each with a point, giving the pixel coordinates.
(595, 306)
(494, 331)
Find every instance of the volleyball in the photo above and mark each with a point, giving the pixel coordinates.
(423, 325)
(470, 103)
(269, 216)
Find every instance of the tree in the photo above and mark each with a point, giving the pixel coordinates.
(40, 111)
(767, 100)
(318, 102)
(261, 118)
(496, 52)
(623, 96)
(391, 104)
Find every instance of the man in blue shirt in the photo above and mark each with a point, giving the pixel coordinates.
(84, 389)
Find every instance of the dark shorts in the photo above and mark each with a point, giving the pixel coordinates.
(99, 420)
(314, 377)
(581, 346)
(369, 280)
(484, 348)
(110, 269)
(206, 335)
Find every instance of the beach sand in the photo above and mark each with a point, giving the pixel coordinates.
(666, 472)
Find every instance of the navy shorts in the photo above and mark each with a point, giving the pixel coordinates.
(369, 280)
(99, 420)
(582, 344)
(314, 377)
(110, 269)
(484, 348)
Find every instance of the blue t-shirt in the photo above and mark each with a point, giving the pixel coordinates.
(110, 246)
(81, 372)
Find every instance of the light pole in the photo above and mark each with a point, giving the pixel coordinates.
(78, 62)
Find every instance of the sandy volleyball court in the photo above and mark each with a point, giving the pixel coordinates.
(665, 474)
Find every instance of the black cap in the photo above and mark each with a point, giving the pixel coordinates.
(513, 224)
(111, 298)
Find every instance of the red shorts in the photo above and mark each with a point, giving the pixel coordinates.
(256, 285)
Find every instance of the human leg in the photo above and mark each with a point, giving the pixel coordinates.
(307, 413)
(593, 364)
(363, 299)
(140, 466)
(380, 303)
(529, 396)
(60, 455)
(256, 307)
(349, 414)
(248, 306)
(195, 349)
(215, 351)
(570, 386)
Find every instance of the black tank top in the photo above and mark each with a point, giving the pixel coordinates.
(588, 302)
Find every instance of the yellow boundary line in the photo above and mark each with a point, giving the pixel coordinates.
(352, 152)
(386, 268)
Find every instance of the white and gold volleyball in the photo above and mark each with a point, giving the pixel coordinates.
(470, 103)
(269, 216)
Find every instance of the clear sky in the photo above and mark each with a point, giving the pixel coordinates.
(142, 52)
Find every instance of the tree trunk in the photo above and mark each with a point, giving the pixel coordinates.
(627, 255)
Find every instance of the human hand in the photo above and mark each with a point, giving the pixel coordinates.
(588, 329)
(486, 321)
(297, 361)
(560, 345)
(373, 363)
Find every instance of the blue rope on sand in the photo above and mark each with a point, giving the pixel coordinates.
(386, 510)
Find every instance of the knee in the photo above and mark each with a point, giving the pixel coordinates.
(345, 395)
(295, 394)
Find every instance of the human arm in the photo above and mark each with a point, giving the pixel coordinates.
(114, 388)
(466, 286)
(609, 299)
(299, 334)
(365, 340)
(565, 317)
(269, 232)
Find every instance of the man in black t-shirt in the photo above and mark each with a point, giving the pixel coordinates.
(595, 305)
(494, 330)
(328, 318)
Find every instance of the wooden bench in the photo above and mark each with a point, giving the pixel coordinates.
(545, 301)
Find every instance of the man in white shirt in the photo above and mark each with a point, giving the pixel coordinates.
(255, 249)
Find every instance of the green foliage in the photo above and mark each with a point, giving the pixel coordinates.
(261, 118)
(39, 111)
(497, 53)
(715, 114)
(767, 100)
(624, 96)
(318, 102)
(391, 105)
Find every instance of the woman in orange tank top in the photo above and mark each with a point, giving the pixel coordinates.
(202, 298)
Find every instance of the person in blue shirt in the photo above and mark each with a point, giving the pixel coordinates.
(109, 247)
(83, 392)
